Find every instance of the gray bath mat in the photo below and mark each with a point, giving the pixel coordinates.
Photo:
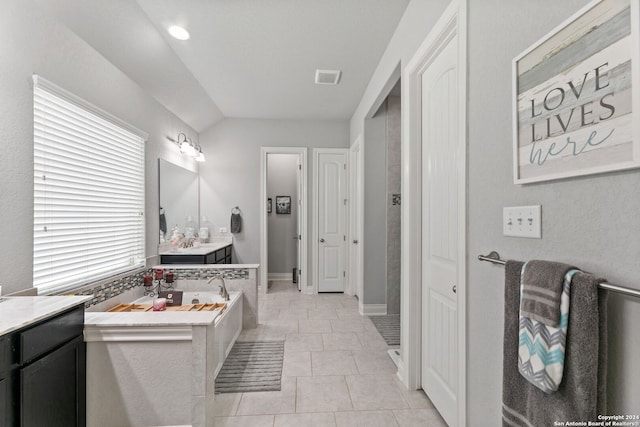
(251, 366)
(389, 327)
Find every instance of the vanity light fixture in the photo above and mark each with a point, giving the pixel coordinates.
(188, 147)
(178, 32)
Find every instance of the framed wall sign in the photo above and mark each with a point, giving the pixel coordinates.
(576, 96)
(283, 204)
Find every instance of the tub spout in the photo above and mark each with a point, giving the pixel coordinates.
(223, 289)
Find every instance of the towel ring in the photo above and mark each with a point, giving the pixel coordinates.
(235, 210)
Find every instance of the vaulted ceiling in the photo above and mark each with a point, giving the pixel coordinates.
(245, 58)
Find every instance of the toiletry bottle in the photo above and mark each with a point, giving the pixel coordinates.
(205, 229)
(189, 227)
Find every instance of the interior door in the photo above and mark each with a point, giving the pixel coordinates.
(331, 221)
(440, 231)
(355, 218)
(298, 236)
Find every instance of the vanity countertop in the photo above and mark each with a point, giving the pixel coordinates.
(18, 312)
(203, 249)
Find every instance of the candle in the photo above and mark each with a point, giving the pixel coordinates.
(169, 277)
(160, 304)
(159, 273)
(148, 279)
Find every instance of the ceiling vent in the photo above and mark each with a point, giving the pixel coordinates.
(328, 77)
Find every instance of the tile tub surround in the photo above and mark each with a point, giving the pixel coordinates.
(156, 368)
(18, 312)
(336, 370)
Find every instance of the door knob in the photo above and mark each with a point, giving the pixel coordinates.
(454, 289)
(355, 242)
(321, 240)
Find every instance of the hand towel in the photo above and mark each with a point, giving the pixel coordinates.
(542, 290)
(582, 393)
(542, 347)
(236, 223)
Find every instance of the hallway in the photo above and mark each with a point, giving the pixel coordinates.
(336, 369)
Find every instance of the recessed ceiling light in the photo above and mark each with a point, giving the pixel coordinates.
(328, 77)
(178, 32)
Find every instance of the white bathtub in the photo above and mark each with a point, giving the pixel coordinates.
(128, 355)
(228, 325)
(188, 298)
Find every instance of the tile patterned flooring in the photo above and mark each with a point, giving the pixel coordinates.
(336, 370)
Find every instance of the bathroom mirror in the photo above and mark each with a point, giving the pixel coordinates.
(179, 189)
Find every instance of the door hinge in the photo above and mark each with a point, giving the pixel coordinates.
(345, 166)
(344, 274)
(299, 167)
(299, 272)
(345, 202)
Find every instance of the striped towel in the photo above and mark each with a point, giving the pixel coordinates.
(541, 347)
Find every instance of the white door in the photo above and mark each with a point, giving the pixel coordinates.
(331, 221)
(440, 231)
(355, 214)
(298, 236)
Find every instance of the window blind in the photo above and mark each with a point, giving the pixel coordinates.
(88, 192)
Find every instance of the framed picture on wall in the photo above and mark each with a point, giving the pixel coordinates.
(269, 205)
(283, 204)
(575, 96)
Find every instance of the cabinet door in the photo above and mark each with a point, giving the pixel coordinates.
(52, 389)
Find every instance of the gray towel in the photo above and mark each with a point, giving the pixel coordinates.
(236, 223)
(582, 393)
(542, 283)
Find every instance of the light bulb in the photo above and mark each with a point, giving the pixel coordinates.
(179, 33)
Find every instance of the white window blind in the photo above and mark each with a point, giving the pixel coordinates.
(88, 192)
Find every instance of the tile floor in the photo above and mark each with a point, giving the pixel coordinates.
(336, 370)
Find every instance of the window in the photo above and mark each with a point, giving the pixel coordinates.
(88, 192)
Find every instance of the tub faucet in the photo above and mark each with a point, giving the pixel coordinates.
(223, 289)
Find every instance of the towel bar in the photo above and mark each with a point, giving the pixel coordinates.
(494, 257)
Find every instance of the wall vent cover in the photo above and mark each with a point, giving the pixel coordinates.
(328, 77)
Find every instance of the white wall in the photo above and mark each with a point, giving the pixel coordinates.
(414, 26)
(591, 222)
(417, 21)
(33, 42)
(374, 287)
(588, 221)
(393, 231)
(231, 175)
(282, 181)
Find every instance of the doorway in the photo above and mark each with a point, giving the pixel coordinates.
(434, 211)
(283, 225)
(330, 181)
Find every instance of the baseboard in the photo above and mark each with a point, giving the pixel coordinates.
(280, 276)
(373, 309)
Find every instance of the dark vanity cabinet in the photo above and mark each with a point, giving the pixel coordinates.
(43, 378)
(216, 256)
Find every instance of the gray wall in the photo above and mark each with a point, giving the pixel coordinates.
(393, 211)
(31, 42)
(231, 175)
(375, 209)
(281, 181)
(591, 222)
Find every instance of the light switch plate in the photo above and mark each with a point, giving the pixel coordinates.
(222, 230)
(522, 221)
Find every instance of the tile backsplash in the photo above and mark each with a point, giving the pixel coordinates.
(116, 287)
